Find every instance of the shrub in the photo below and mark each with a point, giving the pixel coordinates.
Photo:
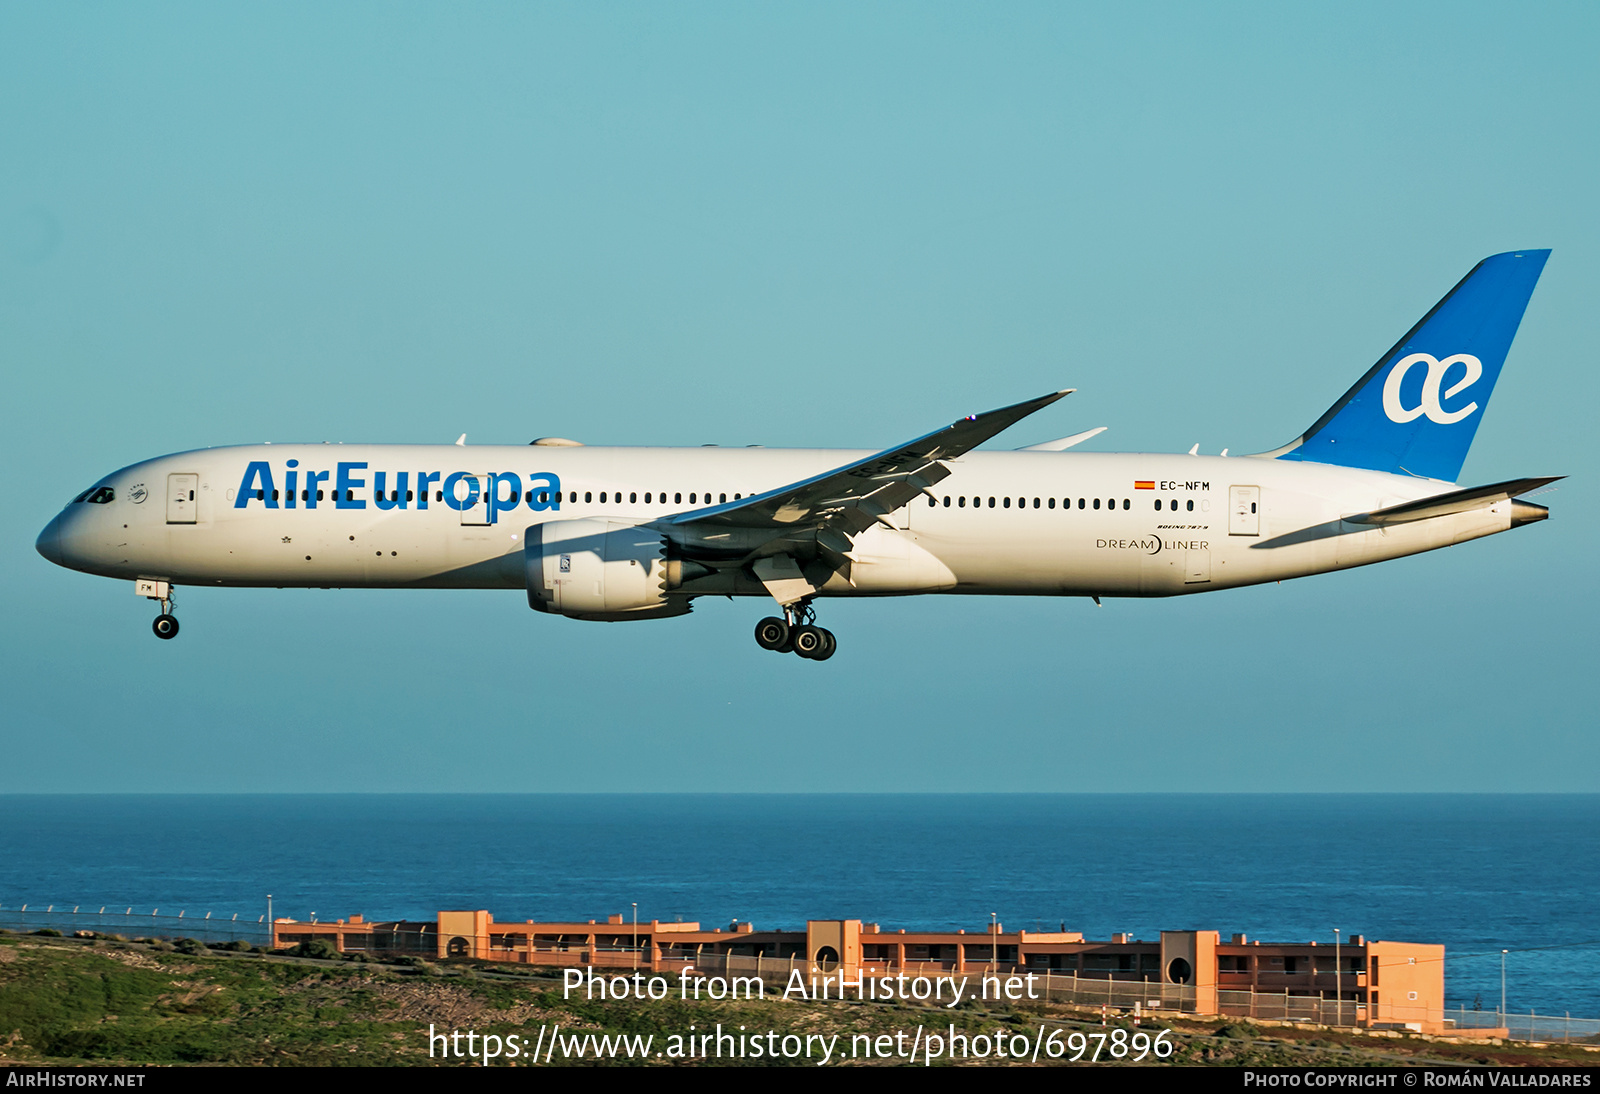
(317, 947)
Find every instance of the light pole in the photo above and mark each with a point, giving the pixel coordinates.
(272, 935)
(1503, 987)
(636, 935)
(994, 942)
(1338, 995)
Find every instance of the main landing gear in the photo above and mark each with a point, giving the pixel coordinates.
(797, 633)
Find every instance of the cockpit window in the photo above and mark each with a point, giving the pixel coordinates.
(83, 495)
(101, 496)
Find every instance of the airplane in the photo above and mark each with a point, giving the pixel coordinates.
(617, 533)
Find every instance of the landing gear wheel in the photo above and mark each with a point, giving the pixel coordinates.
(810, 642)
(827, 650)
(165, 626)
(772, 633)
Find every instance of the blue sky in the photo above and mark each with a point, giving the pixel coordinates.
(828, 225)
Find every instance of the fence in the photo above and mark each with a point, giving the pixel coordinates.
(132, 924)
(1283, 1007)
(1529, 1026)
(1055, 987)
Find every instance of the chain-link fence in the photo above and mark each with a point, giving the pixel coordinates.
(1528, 1026)
(132, 922)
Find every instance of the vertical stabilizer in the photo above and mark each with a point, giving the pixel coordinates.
(1416, 411)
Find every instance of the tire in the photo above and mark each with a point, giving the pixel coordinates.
(772, 633)
(165, 626)
(829, 649)
(809, 642)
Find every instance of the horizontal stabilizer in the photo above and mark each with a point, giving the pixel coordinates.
(1457, 501)
(1064, 443)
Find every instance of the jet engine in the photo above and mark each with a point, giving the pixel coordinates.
(599, 569)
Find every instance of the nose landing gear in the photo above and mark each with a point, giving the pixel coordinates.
(166, 624)
(796, 633)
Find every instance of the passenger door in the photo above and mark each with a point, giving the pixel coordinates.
(1244, 510)
(181, 506)
(478, 512)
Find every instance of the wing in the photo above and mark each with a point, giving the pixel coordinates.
(851, 498)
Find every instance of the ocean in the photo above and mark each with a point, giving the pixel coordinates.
(1478, 873)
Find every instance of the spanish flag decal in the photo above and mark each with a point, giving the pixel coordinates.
(1144, 484)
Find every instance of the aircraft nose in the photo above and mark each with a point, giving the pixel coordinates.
(49, 542)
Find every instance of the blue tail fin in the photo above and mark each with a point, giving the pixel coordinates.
(1415, 412)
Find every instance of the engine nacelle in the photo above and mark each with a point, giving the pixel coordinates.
(597, 569)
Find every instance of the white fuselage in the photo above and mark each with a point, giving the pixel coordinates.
(1018, 523)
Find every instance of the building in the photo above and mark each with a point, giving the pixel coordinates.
(1398, 985)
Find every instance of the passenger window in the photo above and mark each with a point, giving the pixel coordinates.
(1174, 505)
(633, 498)
(961, 502)
(408, 496)
(1127, 503)
(691, 498)
(1007, 504)
(261, 495)
(1081, 503)
(723, 499)
(932, 502)
(1097, 503)
(947, 501)
(274, 496)
(1052, 504)
(602, 497)
(1036, 503)
(991, 503)
(1158, 505)
(588, 495)
(1191, 505)
(677, 499)
(647, 497)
